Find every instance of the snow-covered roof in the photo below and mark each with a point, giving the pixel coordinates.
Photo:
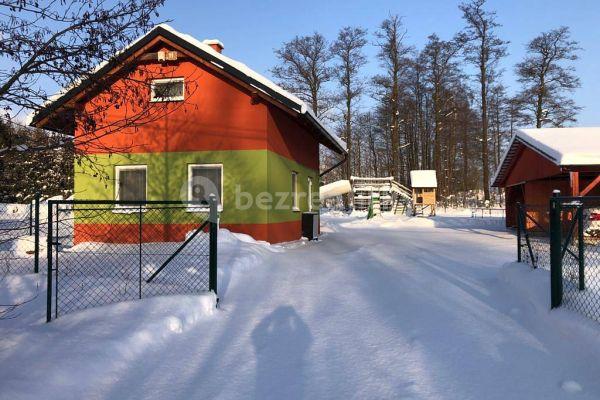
(565, 146)
(228, 64)
(561, 146)
(424, 178)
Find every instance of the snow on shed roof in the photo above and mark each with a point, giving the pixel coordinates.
(565, 146)
(561, 146)
(255, 79)
(423, 178)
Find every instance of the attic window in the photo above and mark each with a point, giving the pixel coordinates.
(171, 89)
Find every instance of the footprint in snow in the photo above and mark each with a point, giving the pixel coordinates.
(571, 387)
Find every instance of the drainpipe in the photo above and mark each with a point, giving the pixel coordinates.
(328, 170)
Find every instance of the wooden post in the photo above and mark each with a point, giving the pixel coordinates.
(591, 186)
(574, 180)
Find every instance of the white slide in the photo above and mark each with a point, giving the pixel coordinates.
(334, 189)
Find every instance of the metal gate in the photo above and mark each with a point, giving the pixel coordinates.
(102, 252)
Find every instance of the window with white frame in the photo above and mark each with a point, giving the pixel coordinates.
(172, 89)
(310, 199)
(204, 180)
(131, 183)
(295, 191)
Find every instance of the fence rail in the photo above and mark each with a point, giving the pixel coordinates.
(101, 252)
(489, 212)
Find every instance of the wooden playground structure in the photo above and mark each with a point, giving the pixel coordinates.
(424, 185)
(392, 196)
(384, 194)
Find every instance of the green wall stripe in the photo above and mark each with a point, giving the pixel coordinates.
(263, 174)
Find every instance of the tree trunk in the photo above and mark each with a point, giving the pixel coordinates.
(484, 131)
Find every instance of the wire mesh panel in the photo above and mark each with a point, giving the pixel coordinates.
(534, 238)
(580, 233)
(18, 237)
(104, 252)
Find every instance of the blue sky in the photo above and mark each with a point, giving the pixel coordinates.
(251, 30)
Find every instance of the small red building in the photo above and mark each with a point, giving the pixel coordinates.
(539, 161)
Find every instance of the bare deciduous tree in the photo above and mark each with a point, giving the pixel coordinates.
(61, 42)
(546, 78)
(393, 57)
(304, 69)
(483, 48)
(348, 51)
(442, 74)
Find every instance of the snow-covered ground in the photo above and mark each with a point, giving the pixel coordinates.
(395, 307)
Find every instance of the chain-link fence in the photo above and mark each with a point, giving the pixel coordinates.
(533, 237)
(102, 252)
(575, 254)
(19, 237)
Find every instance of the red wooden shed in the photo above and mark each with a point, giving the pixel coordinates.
(539, 161)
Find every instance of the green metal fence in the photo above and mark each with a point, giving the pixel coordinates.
(533, 236)
(20, 230)
(102, 252)
(575, 254)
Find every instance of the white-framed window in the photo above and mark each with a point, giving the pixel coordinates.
(170, 89)
(204, 180)
(310, 199)
(131, 183)
(295, 191)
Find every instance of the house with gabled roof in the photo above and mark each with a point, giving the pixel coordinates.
(224, 130)
(539, 161)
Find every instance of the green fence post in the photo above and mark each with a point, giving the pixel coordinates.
(31, 206)
(581, 244)
(49, 257)
(140, 249)
(556, 286)
(213, 226)
(36, 238)
(518, 232)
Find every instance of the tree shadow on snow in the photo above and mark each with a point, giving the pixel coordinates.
(281, 341)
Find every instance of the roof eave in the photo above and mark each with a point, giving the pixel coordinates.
(329, 141)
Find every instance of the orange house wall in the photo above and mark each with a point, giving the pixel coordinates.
(129, 233)
(217, 114)
(288, 138)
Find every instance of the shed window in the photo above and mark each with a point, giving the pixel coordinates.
(131, 183)
(204, 180)
(295, 191)
(167, 90)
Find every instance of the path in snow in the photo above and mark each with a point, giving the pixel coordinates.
(396, 308)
